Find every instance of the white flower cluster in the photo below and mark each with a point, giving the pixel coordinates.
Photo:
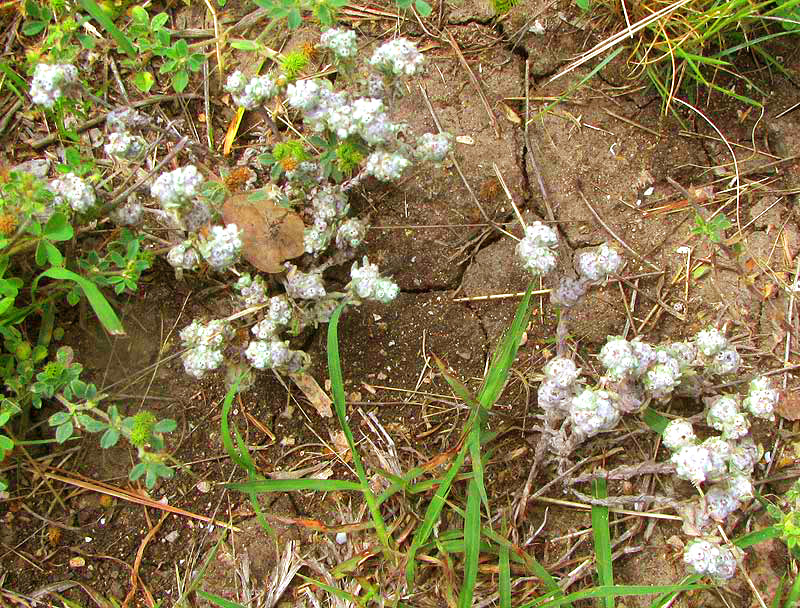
(174, 189)
(433, 148)
(73, 191)
(709, 558)
(250, 94)
(278, 316)
(304, 285)
(125, 146)
(536, 249)
(351, 234)
(556, 392)
(592, 412)
(206, 343)
(386, 166)
(124, 118)
(268, 354)
(597, 263)
(129, 214)
(761, 399)
(50, 81)
(253, 291)
(329, 205)
(342, 42)
(222, 247)
(183, 256)
(719, 355)
(367, 283)
(724, 415)
(398, 57)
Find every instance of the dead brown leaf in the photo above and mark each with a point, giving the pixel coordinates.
(314, 393)
(789, 406)
(270, 234)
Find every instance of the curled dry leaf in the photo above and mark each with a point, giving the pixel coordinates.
(314, 393)
(270, 234)
(789, 406)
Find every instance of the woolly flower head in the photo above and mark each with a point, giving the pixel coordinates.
(398, 57)
(562, 372)
(535, 249)
(303, 95)
(386, 166)
(222, 247)
(618, 358)
(568, 292)
(710, 341)
(661, 378)
(129, 214)
(251, 93)
(49, 82)
(684, 352)
(253, 291)
(183, 256)
(744, 454)
(677, 434)
(125, 146)
(367, 283)
(206, 342)
(350, 234)
(593, 411)
(302, 285)
(73, 191)
(340, 41)
(724, 415)
(278, 316)
(433, 147)
(597, 263)
(708, 558)
(268, 354)
(692, 463)
(761, 399)
(719, 452)
(726, 361)
(720, 502)
(176, 188)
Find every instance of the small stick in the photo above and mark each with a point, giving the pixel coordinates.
(475, 83)
(207, 106)
(789, 315)
(138, 561)
(509, 196)
(633, 123)
(500, 296)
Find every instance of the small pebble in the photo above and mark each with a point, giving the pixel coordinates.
(341, 538)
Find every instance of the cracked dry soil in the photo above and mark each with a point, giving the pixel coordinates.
(430, 234)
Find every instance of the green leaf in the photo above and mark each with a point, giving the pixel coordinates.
(165, 426)
(246, 45)
(54, 256)
(196, 61)
(602, 541)
(99, 304)
(472, 545)
(504, 581)
(109, 438)
(159, 21)
(137, 471)
(180, 80)
(58, 228)
(31, 28)
(294, 485)
(58, 418)
(181, 49)
(40, 256)
(423, 8)
(143, 81)
(140, 16)
(6, 444)
(99, 15)
(295, 19)
(90, 424)
(64, 432)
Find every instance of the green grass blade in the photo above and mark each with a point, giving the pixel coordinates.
(615, 591)
(99, 15)
(759, 536)
(472, 545)
(337, 388)
(504, 578)
(342, 595)
(432, 514)
(794, 594)
(218, 601)
(225, 433)
(602, 541)
(776, 599)
(97, 300)
(258, 486)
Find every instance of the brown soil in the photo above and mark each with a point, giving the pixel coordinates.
(432, 237)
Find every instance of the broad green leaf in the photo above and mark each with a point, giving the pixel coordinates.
(140, 16)
(31, 28)
(54, 256)
(295, 19)
(6, 444)
(64, 432)
(97, 301)
(165, 426)
(143, 81)
(246, 45)
(109, 438)
(58, 418)
(180, 80)
(423, 8)
(90, 424)
(58, 228)
(159, 21)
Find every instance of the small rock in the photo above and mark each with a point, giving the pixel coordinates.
(341, 538)
(204, 487)
(172, 536)
(38, 167)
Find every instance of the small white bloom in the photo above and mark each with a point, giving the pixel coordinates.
(719, 452)
(677, 434)
(597, 263)
(433, 148)
(726, 361)
(692, 463)
(304, 286)
(129, 214)
(720, 502)
(176, 188)
(386, 166)
(710, 559)
(125, 146)
(367, 283)
(342, 42)
(303, 95)
(569, 291)
(205, 342)
(253, 291)
(397, 57)
(740, 487)
(724, 415)
(252, 93)
(351, 234)
(268, 354)
(744, 454)
(761, 399)
(50, 81)
(592, 412)
(710, 341)
(535, 249)
(183, 256)
(684, 352)
(618, 358)
(72, 190)
(222, 247)
(555, 400)
(562, 372)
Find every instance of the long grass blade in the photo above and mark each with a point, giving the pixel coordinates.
(99, 15)
(793, 597)
(342, 595)
(602, 541)
(615, 591)
(472, 545)
(97, 300)
(504, 577)
(258, 486)
(337, 388)
(218, 601)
